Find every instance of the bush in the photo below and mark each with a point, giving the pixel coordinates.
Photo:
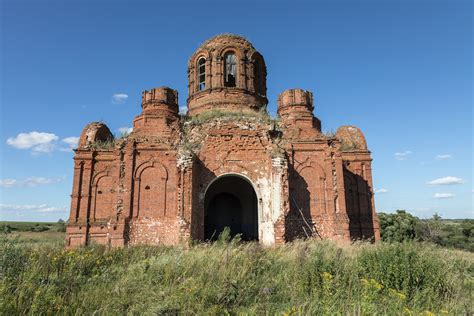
(60, 226)
(397, 227)
(5, 229)
(39, 228)
(402, 226)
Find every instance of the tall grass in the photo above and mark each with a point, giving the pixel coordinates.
(310, 277)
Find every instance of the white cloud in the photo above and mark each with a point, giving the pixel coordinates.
(29, 182)
(183, 109)
(71, 141)
(38, 142)
(125, 130)
(40, 208)
(381, 191)
(423, 212)
(446, 181)
(8, 183)
(43, 148)
(119, 98)
(37, 181)
(443, 195)
(443, 157)
(403, 155)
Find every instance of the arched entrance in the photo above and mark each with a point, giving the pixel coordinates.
(231, 201)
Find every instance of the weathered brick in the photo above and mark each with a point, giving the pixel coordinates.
(153, 186)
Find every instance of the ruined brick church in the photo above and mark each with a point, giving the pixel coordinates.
(225, 163)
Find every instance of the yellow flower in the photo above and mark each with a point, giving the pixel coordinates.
(327, 276)
(376, 284)
(401, 295)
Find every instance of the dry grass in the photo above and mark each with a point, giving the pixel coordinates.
(229, 277)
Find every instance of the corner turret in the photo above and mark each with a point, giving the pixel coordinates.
(295, 108)
(93, 133)
(159, 110)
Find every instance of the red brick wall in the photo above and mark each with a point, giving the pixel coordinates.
(150, 186)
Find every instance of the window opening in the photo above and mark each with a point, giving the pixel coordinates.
(201, 74)
(230, 70)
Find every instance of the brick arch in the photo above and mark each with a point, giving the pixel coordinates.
(315, 180)
(241, 66)
(352, 195)
(193, 73)
(234, 173)
(238, 168)
(210, 182)
(200, 53)
(102, 195)
(245, 204)
(307, 163)
(150, 196)
(258, 74)
(220, 53)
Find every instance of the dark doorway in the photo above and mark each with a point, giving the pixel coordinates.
(231, 202)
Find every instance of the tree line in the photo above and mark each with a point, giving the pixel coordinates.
(402, 226)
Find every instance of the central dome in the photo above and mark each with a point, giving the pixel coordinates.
(220, 39)
(226, 72)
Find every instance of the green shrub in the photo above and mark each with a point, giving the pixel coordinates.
(5, 229)
(39, 228)
(402, 226)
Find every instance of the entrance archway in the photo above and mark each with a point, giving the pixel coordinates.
(231, 201)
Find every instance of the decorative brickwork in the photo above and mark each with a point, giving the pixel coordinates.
(225, 164)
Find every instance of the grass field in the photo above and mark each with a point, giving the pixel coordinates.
(40, 233)
(38, 276)
(47, 238)
(29, 226)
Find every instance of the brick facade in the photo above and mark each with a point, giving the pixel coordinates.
(225, 163)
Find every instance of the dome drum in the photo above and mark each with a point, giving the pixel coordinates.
(226, 67)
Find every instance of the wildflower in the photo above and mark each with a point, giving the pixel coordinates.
(401, 296)
(327, 276)
(293, 310)
(375, 284)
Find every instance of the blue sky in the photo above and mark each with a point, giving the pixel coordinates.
(400, 70)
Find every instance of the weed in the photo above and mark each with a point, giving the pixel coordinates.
(233, 277)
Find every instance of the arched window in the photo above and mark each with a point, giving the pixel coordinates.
(230, 69)
(201, 73)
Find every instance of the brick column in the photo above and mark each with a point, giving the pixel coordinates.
(341, 218)
(78, 225)
(280, 197)
(185, 163)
